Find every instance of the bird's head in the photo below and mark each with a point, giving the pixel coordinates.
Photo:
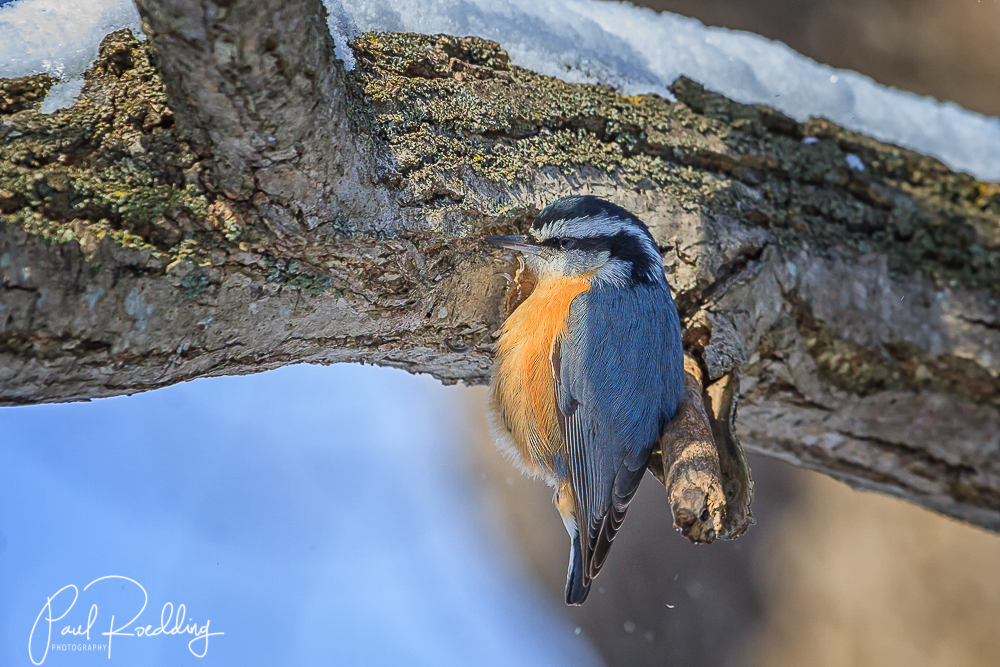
(584, 235)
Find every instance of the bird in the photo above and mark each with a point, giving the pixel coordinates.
(588, 369)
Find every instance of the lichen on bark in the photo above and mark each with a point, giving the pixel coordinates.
(448, 106)
(108, 166)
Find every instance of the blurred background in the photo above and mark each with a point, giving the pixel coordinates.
(353, 515)
(314, 515)
(356, 515)
(949, 49)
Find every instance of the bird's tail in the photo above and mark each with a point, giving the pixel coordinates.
(576, 590)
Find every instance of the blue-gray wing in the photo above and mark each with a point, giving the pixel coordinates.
(619, 380)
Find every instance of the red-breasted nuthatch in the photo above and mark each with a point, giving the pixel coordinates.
(589, 369)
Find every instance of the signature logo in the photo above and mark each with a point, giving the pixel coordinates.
(70, 637)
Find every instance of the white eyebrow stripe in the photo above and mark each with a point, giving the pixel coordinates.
(590, 227)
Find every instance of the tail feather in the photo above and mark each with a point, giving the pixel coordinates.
(576, 590)
(603, 535)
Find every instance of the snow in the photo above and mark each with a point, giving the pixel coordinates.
(59, 37)
(634, 50)
(854, 162)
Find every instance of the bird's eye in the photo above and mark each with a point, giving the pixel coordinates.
(567, 244)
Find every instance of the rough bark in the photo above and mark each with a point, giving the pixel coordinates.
(237, 201)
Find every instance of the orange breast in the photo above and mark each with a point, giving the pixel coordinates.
(523, 383)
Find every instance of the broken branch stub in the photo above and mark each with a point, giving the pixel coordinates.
(721, 399)
(702, 465)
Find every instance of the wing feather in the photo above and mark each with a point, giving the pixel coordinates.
(618, 380)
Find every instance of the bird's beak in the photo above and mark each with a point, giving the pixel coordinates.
(518, 243)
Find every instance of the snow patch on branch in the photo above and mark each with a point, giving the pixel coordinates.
(580, 41)
(60, 37)
(639, 51)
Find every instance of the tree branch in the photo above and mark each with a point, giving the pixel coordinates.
(702, 465)
(259, 205)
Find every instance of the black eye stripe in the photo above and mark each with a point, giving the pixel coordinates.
(589, 244)
(595, 243)
(622, 246)
(566, 243)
